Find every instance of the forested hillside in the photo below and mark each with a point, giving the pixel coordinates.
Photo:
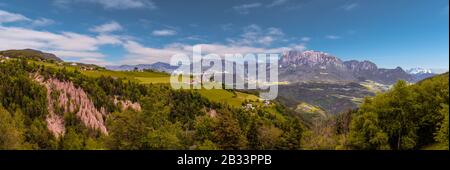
(404, 118)
(43, 108)
(407, 117)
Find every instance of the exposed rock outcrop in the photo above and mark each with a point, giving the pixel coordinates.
(212, 113)
(127, 104)
(71, 99)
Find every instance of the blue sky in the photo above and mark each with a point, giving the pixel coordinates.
(406, 33)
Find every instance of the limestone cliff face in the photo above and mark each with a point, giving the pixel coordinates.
(314, 66)
(75, 100)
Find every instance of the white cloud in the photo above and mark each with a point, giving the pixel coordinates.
(332, 37)
(255, 35)
(306, 39)
(164, 32)
(349, 7)
(111, 4)
(125, 4)
(194, 38)
(9, 17)
(97, 61)
(110, 39)
(107, 28)
(277, 3)
(6, 17)
(275, 31)
(245, 8)
(61, 3)
(65, 44)
(86, 48)
(41, 22)
(63, 41)
(77, 54)
(139, 54)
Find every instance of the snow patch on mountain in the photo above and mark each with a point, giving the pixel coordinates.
(419, 70)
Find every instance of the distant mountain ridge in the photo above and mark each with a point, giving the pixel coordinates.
(30, 53)
(299, 66)
(420, 73)
(315, 66)
(159, 66)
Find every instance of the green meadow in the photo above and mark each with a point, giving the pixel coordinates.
(232, 98)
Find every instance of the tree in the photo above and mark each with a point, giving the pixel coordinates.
(11, 134)
(165, 137)
(72, 140)
(204, 128)
(442, 132)
(228, 134)
(253, 136)
(126, 130)
(207, 145)
(39, 136)
(294, 134)
(365, 133)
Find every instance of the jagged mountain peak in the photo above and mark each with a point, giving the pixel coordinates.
(309, 58)
(419, 70)
(365, 65)
(320, 66)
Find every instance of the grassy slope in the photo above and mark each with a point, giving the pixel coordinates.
(233, 99)
(142, 77)
(309, 112)
(217, 95)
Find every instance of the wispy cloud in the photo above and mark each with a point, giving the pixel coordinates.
(245, 8)
(41, 22)
(64, 44)
(140, 54)
(277, 3)
(107, 28)
(194, 38)
(349, 7)
(9, 17)
(306, 39)
(62, 3)
(6, 17)
(164, 32)
(125, 4)
(111, 4)
(333, 37)
(87, 47)
(254, 39)
(255, 35)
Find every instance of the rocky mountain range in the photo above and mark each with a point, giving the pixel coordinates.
(301, 66)
(314, 66)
